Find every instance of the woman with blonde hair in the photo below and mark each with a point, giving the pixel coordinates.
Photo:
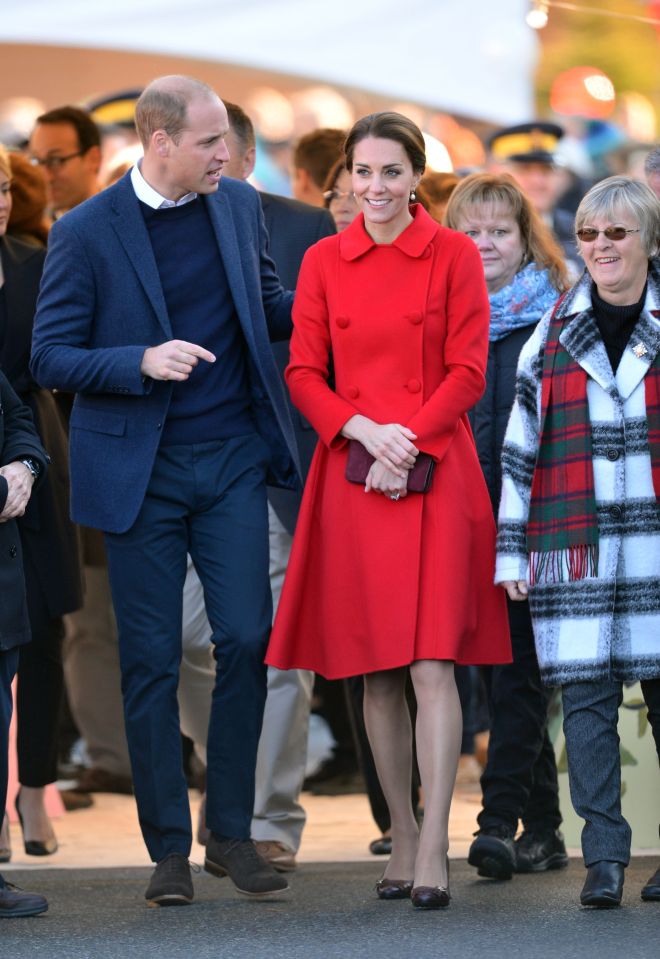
(525, 275)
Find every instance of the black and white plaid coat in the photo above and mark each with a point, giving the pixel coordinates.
(607, 626)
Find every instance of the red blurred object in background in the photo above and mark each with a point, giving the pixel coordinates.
(583, 91)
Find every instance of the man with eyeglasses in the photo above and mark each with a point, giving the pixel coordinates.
(66, 144)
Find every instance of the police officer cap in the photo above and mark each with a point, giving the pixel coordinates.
(115, 109)
(534, 142)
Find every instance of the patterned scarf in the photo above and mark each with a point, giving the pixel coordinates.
(562, 533)
(524, 301)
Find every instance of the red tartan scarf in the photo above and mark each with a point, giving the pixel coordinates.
(562, 532)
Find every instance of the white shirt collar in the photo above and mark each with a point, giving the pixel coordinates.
(152, 197)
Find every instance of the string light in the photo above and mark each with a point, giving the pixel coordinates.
(537, 17)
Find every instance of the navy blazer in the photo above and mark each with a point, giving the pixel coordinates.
(292, 228)
(101, 305)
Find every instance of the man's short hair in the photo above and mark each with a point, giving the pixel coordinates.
(163, 105)
(318, 151)
(652, 162)
(241, 125)
(86, 130)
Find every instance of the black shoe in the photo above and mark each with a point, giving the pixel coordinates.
(34, 847)
(15, 902)
(539, 851)
(346, 784)
(171, 882)
(381, 846)
(603, 886)
(651, 891)
(335, 767)
(493, 852)
(5, 839)
(238, 859)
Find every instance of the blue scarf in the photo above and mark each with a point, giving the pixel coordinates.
(523, 302)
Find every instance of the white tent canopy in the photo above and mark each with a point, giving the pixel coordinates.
(473, 57)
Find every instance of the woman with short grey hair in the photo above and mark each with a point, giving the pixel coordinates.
(580, 511)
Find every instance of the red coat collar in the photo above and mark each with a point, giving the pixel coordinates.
(355, 241)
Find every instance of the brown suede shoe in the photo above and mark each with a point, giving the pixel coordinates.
(97, 780)
(278, 854)
(72, 801)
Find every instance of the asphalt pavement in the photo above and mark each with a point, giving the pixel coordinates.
(331, 912)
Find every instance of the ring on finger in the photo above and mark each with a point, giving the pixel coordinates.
(395, 496)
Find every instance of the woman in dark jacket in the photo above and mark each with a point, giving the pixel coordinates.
(525, 274)
(23, 462)
(50, 549)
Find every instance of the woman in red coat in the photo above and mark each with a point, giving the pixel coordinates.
(381, 580)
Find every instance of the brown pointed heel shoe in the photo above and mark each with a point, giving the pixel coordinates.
(430, 897)
(394, 888)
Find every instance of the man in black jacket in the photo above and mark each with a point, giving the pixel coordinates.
(23, 463)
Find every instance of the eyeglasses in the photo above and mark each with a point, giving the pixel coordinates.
(588, 234)
(55, 163)
(331, 195)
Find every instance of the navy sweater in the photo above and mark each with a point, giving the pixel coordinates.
(214, 402)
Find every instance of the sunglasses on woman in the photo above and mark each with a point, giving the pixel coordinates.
(588, 234)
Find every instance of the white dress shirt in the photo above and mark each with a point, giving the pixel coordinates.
(152, 197)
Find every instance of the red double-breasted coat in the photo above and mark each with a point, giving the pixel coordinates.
(374, 584)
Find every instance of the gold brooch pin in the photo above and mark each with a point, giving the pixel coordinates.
(639, 350)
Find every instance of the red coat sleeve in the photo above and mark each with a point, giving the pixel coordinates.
(307, 372)
(465, 354)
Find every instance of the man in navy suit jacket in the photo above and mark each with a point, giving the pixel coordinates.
(279, 818)
(157, 306)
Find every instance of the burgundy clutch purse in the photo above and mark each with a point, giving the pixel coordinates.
(359, 463)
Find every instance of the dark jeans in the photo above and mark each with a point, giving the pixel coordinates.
(520, 779)
(591, 715)
(209, 500)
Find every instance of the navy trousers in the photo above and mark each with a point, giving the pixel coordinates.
(209, 500)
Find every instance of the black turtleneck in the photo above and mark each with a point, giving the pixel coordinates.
(615, 323)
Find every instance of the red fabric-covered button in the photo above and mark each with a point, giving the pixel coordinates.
(342, 322)
(413, 386)
(353, 392)
(416, 317)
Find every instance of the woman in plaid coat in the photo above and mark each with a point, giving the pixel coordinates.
(579, 517)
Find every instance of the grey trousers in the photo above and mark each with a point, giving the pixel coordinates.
(282, 752)
(591, 715)
(90, 657)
